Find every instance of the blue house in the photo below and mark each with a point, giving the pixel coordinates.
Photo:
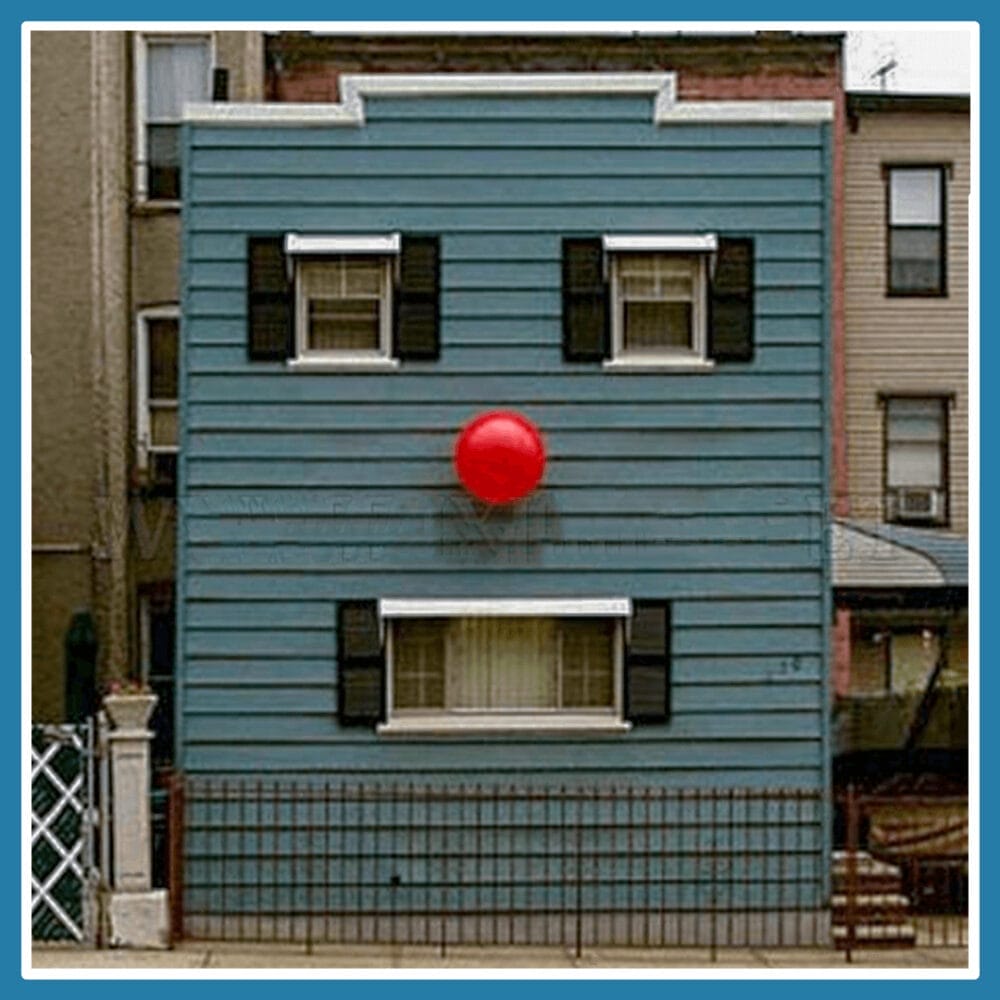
(646, 281)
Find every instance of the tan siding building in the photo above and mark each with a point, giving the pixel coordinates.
(900, 545)
(104, 261)
(904, 345)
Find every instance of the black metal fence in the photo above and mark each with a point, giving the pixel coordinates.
(367, 863)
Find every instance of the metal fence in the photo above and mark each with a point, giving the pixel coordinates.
(367, 863)
(903, 879)
(64, 873)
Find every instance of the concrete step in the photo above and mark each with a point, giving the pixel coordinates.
(877, 936)
(879, 900)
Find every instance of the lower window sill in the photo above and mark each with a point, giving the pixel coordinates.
(675, 364)
(347, 364)
(478, 725)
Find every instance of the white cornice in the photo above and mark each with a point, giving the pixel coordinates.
(355, 88)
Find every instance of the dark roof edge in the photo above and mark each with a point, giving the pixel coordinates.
(861, 102)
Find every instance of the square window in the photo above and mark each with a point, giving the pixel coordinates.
(916, 231)
(916, 457)
(658, 306)
(170, 72)
(472, 668)
(344, 307)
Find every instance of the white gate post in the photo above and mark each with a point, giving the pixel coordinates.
(138, 914)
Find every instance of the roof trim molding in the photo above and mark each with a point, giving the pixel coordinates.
(354, 88)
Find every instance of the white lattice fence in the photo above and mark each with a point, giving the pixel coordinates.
(63, 873)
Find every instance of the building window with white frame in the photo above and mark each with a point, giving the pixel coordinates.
(916, 458)
(659, 298)
(156, 396)
(343, 297)
(171, 70)
(480, 666)
(344, 307)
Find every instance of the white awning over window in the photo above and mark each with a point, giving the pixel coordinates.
(656, 243)
(315, 243)
(522, 607)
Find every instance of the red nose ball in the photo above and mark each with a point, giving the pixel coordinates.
(500, 456)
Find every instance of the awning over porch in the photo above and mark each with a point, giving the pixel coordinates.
(876, 556)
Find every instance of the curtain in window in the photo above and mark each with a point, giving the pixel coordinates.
(177, 72)
(501, 663)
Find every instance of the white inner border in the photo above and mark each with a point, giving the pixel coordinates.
(354, 88)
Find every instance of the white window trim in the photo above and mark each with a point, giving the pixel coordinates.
(317, 361)
(471, 722)
(695, 359)
(143, 423)
(140, 61)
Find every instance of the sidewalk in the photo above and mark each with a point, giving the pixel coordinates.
(205, 955)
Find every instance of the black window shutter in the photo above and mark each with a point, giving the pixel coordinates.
(586, 326)
(418, 299)
(270, 300)
(730, 318)
(360, 664)
(647, 663)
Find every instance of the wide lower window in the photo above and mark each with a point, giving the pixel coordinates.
(486, 665)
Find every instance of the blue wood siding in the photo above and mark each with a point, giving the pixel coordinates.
(706, 489)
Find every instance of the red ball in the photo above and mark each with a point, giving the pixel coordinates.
(500, 456)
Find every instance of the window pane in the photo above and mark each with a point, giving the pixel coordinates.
(344, 297)
(162, 335)
(418, 665)
(164, 161)
(653, 326)
(343, 325)
(916, 260)
(915, 198)
(163, 426)
(501, 663)
(588, 664)
(177, 71)
(915, 465)
(916, 420)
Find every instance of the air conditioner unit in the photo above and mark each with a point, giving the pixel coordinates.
(915, 504)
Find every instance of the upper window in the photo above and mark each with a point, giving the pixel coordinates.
(170, 71)
(916, 443)
(156, 395)
(658, 304)
(658, 301)
(916, 231)
(344, 307)
(343, 301)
